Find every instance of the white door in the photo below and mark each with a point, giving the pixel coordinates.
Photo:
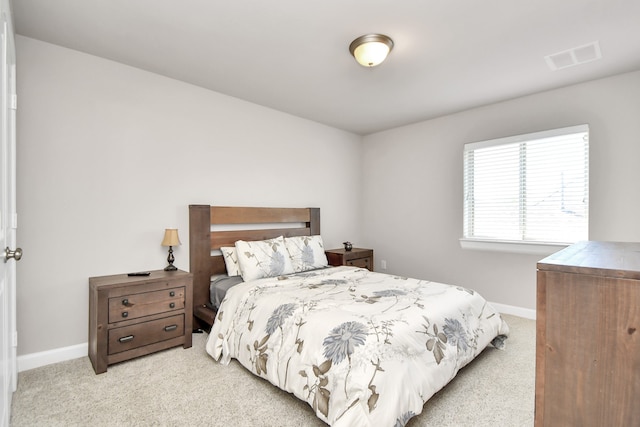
(8, 216)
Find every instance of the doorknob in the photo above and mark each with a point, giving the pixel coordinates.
(8, 254)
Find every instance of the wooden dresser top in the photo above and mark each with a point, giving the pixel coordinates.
(607, 259)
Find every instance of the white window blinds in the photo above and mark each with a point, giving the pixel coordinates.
(528, 188)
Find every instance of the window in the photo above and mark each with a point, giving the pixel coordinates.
(530, 188)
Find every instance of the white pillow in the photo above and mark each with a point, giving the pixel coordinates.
(231, 260)
(264, 258)
(307, 252)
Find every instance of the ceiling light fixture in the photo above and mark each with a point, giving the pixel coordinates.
(371, 49)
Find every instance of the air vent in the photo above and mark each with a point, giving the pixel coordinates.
(575, 56)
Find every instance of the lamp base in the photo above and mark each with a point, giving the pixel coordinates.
(170, 260)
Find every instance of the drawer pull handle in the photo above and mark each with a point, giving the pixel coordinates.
(125, 302)
(172, 305)
(172, 294)
(126, 339)
(125, 314)
(170, 328)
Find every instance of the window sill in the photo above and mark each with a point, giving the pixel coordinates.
(512, 246)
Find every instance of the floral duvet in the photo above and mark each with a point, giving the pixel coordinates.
(362, 348)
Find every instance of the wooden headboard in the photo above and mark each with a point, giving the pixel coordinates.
(211, 227)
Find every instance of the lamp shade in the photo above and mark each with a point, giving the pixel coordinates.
(171, 237)
(371, 49)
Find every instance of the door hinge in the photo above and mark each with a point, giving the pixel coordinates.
(15, 338)
(14, 102)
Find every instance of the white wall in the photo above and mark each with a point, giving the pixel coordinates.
(109, 155)
(412, 200)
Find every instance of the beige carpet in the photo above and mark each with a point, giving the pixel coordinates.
(179, 387)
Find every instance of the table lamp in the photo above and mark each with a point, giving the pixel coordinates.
(170, 239)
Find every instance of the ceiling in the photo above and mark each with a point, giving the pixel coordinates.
(292, 55)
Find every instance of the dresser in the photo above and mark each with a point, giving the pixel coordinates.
(356, 257)
(588, 336)
(131, 316)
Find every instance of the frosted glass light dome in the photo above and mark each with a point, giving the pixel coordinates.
(371, 49)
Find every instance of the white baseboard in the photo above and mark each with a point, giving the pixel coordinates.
(43, 358)
(527, 313)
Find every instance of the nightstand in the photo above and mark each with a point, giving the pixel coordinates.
(131, 316)
(356, 257)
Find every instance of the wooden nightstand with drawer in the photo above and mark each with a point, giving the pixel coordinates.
(131, 316)
(356, 257)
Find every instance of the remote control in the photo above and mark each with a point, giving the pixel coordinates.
(140, 273)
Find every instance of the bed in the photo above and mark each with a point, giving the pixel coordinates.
(361, 348)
